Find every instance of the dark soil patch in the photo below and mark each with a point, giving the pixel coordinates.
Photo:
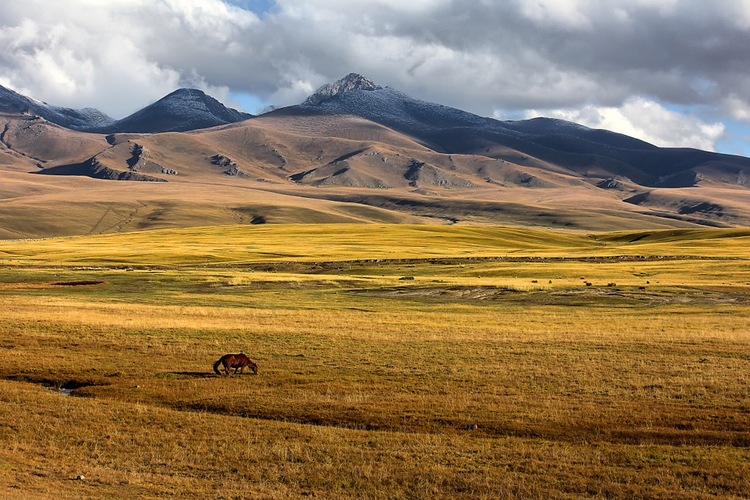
(206, 374)
(52, 383)
(590, 296)
(79, 283)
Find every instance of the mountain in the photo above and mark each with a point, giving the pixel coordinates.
(354, 151)
(180, 111)
(582, 150)
(358, 96)
(77, 119)
(349, 83)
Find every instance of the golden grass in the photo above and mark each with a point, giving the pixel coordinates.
(325, 242)
(371, 371)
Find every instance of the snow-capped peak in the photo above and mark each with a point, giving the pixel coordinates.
(186, 101)
(349, 83)
(184, 109)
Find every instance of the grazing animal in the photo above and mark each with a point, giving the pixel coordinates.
(237, 361)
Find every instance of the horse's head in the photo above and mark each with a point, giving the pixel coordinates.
(254, 368)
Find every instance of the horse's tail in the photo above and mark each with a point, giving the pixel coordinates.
(216, 367)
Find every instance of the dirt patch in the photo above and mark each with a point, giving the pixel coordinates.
(44, 284)
(439, 293)
(609, 296)
(23, 286)
(79, 283)
(187, 375)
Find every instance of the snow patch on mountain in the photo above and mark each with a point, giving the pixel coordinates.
(389, 107)
(349, 83)
(77, 119)
(185, 103)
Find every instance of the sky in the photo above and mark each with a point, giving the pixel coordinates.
(671, 72)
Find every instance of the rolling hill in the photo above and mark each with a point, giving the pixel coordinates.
(352, 152)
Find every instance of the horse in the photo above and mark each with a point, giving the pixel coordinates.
(237, 361)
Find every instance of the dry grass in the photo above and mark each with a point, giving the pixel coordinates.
(242, 244)
(367, 380)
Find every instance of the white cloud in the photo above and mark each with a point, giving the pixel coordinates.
(117, 56)
(646, 120)
(737, 108)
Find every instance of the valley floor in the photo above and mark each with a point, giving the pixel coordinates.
(394, 361)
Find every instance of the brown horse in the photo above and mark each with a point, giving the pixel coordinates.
(237, 361)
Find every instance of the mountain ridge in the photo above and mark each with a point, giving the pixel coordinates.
(584, 150)
(182, 110)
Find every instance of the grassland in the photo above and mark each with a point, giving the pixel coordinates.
(593, 365)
